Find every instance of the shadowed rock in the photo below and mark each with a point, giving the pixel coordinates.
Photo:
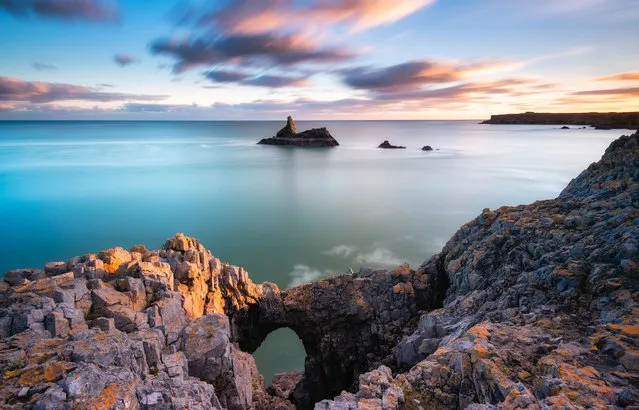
(427, 148)
(388, 145)
(599, 120)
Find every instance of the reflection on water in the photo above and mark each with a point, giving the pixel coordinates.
(287, 215)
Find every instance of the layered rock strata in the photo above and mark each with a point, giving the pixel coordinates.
(527, 307)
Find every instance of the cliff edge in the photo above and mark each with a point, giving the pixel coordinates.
(526, 307)
(598, 120)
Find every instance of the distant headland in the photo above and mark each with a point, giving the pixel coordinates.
(598, 120)
(316, 137)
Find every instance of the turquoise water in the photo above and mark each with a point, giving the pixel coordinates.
(287, 215)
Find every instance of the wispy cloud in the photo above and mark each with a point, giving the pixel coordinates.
(264, 80)
(629, 76)
(249, 16)
(616, 92)
(247, 50)
(124, 60)
(43, 66)
(15, 89)
(412, 74)
(87, 10)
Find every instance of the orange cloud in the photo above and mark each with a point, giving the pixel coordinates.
(630, 76)
(250, 17)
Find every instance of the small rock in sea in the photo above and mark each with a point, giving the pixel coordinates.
(388, 145)
(316, 137)
(565, 128)
(427, 148)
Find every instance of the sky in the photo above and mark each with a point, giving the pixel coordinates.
(315, 59)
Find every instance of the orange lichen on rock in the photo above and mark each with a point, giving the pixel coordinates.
(46, 373)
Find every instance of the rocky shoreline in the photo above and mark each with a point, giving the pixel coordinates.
(528, 307)
(598, 120)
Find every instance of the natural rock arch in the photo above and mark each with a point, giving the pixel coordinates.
(348, 323)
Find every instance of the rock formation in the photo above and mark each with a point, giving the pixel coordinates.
(316, 137)
(599, 120)
(388, 145)
(527, 307)
(427, 148)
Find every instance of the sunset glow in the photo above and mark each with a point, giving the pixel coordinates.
(315, 59)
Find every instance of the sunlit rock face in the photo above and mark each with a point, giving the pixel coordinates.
(525, 307)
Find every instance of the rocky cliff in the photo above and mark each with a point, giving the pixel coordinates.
(599, 120)
(526, 307)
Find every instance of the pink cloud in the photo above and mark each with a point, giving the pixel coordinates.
(248, 16)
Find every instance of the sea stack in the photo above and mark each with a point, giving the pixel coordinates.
(316, 137)
(388, 145)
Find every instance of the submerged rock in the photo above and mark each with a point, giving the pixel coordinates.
(388, 145)
(287, 136)
(526, 307)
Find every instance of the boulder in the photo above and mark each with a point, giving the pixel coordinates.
(388, 145)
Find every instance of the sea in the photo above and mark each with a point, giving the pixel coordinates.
(287, 215)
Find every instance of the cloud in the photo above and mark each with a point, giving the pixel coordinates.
(615, 92)
(302, 274)
(275, 81)
(87, 10)
(512, 86)
(379, 257)
(160, 108)
(249, 50)
(412, 74)
(629, 76)
(124, 60)
(43, 66)
(15, 89)
(249, 16)
(244, 78)
(344, 251)
(223, 76)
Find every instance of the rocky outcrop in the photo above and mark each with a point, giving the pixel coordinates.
(542, 307)
(599, 120)
(388, 145)
(526, 307)
(427, 148)
(287, 136)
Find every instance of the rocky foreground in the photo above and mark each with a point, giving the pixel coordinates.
(598, 120)
(288, 136)
(528, 307)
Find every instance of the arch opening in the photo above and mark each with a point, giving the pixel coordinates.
(281, 351)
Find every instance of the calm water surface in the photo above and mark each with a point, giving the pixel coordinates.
(287, 215)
